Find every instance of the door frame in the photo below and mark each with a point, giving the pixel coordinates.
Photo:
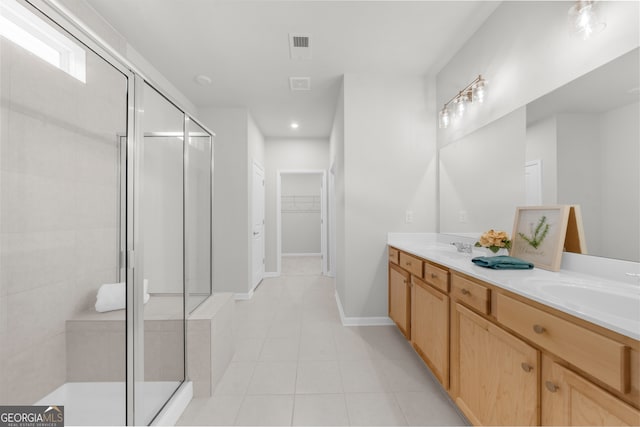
(535, 166)
(323, 213)
(253, 283)
(331, 216)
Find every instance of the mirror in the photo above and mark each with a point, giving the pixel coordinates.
(579, 144)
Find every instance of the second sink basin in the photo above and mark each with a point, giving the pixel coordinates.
(619, 302)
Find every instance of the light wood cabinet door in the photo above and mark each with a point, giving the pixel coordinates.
(400, 299)
(494, 375)
(430, 328)
(570, 400)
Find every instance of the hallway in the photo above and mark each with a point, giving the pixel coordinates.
(295, 364)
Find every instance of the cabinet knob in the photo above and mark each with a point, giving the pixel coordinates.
(434, 275)
(526, 367)
(407, 263)
(551, 386)
(465, 292)
(538, 329)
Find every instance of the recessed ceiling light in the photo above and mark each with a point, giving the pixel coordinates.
(203, 80)
(294, 125)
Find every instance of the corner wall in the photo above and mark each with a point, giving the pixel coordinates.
(389, 168)
(230, 201)
(336, 247)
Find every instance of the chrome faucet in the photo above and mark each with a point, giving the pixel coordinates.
(463, 247)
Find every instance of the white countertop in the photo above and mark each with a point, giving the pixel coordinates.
(607, 303)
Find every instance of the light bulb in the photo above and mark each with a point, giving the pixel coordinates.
(479, 90)
(461, 105)
(444, 118)
(583, 19)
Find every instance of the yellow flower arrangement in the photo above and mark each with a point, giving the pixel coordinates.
(494, 240)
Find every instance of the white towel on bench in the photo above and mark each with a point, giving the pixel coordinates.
(113, 296)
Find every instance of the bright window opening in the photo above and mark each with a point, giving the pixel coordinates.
(29, 31)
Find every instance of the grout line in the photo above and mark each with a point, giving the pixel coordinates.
(397, 400)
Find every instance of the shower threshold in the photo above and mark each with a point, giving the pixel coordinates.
(103, 403)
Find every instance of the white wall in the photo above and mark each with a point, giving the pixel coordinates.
(287, 154)
(580, 171)
(238, 143)
(230, 202)
(389, 167)
(541, 145)
(524, 51)
(472, 177)
(620, 153)
(337, 211)
(301, 213)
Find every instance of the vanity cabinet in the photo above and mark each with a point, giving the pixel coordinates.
(430, 327)
(494, 375)
(508, 360)
(400, 299)
(603, 358)
(570, 400)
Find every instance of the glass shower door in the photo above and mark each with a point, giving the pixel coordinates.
(159, 328)
(198, 175)
(63, 111)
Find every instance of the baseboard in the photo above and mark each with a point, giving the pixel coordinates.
(270, 274)
(243, 295)
(361, 321)
(301, 254)
(172, 411)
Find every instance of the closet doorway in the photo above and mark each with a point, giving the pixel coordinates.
(301, 216)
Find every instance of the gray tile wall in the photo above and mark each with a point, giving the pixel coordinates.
(58, 210)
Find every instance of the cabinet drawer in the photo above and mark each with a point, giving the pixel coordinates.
(599, 356)
(394, 255)
(437, 277)
(412, 264)
(470, 293)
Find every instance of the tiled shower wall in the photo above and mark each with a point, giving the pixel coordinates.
(59, 193)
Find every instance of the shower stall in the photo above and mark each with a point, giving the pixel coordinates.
(104, 181)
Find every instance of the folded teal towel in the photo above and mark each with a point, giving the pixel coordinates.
(502, 262)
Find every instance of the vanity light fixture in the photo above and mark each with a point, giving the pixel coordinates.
(474, 91)
(583, 20)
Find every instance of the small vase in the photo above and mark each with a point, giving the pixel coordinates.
(501, 251)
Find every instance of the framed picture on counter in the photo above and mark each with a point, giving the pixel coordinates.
(539, 233)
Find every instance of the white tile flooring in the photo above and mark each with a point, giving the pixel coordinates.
(295, 364)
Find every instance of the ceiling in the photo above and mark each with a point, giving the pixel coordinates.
(243, 46)
(610, 86)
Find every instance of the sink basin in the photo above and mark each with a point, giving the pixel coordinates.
(620, 302)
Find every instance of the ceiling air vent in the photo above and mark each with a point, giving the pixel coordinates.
(300, 46)
(299, 84)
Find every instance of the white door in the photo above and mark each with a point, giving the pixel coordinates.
(257, 221)
(533, 182)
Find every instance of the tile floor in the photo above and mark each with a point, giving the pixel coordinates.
(295, 364)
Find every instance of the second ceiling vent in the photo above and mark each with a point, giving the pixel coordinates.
(300, 46)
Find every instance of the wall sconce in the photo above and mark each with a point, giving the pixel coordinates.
(583, 20)
(474, 92)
